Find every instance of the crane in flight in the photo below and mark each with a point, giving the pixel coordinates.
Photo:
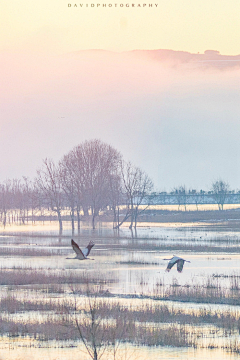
(82, 254)
(176, 260)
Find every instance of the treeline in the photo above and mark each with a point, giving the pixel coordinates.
(219, 194)
(90, 178)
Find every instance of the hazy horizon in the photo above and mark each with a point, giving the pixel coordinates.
(177, 119)
(173, 110)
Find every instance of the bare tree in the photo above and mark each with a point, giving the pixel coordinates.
(49, 183)
(91, 328)
(115, 197)
(195, 196)
(95, 162)
(98, 330)
(75, 164)
(5, 200)
(18, 199)
(137, 188)
(220, 190)
(27, 197)
(181, 196)
(33, 198)
(68, 186)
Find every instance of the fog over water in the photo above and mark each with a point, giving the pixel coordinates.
(178, 119)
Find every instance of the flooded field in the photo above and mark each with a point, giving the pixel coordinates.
(190, 315)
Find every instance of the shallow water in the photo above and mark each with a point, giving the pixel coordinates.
(25, 349)
(134, 264)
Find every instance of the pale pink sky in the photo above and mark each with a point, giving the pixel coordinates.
(178, 121)
(166, 117)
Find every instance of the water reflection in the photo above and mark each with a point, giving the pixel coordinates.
(28, 349)
(132, 264)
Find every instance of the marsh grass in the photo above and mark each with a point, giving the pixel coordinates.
(11, 304)
(148, 324)
(139, 246)
(64, 329)
(152, 324)
(117, 319)
(211, 290)
(232, 346)
(137, 262)
(178, 244)
(148, 313)
(26, 276)
(210, 294)
(38, 251)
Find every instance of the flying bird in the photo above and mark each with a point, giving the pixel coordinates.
(176, 260)
(82, 254)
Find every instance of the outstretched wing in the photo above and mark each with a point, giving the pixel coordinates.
(87, 250)
(77, 250)
(171, 263)
(180, 264)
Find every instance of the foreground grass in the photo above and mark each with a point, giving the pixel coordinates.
(149, 324)
(151, 312)
(112, 318)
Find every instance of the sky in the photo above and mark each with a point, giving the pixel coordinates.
(53, 26)
(178, 121)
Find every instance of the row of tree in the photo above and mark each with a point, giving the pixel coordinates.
(90, 178)
(219, 193)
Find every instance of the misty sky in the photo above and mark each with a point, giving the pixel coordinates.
(177, 120)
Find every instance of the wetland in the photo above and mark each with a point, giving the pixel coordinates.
(141, 311)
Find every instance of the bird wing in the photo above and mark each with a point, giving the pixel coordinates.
(77, 250)
(180, 264)
(87, 250)
(171, 263)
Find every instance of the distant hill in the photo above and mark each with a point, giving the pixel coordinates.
(209, 56)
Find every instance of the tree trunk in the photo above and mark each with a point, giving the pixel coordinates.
(4, 219)
(120, 223)
(135, 218)
(60, 221)
(78, 219)
(85, 211)
(72, 219)
(132, 216)
(114, 217)
(93, 221)
(118, 218)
